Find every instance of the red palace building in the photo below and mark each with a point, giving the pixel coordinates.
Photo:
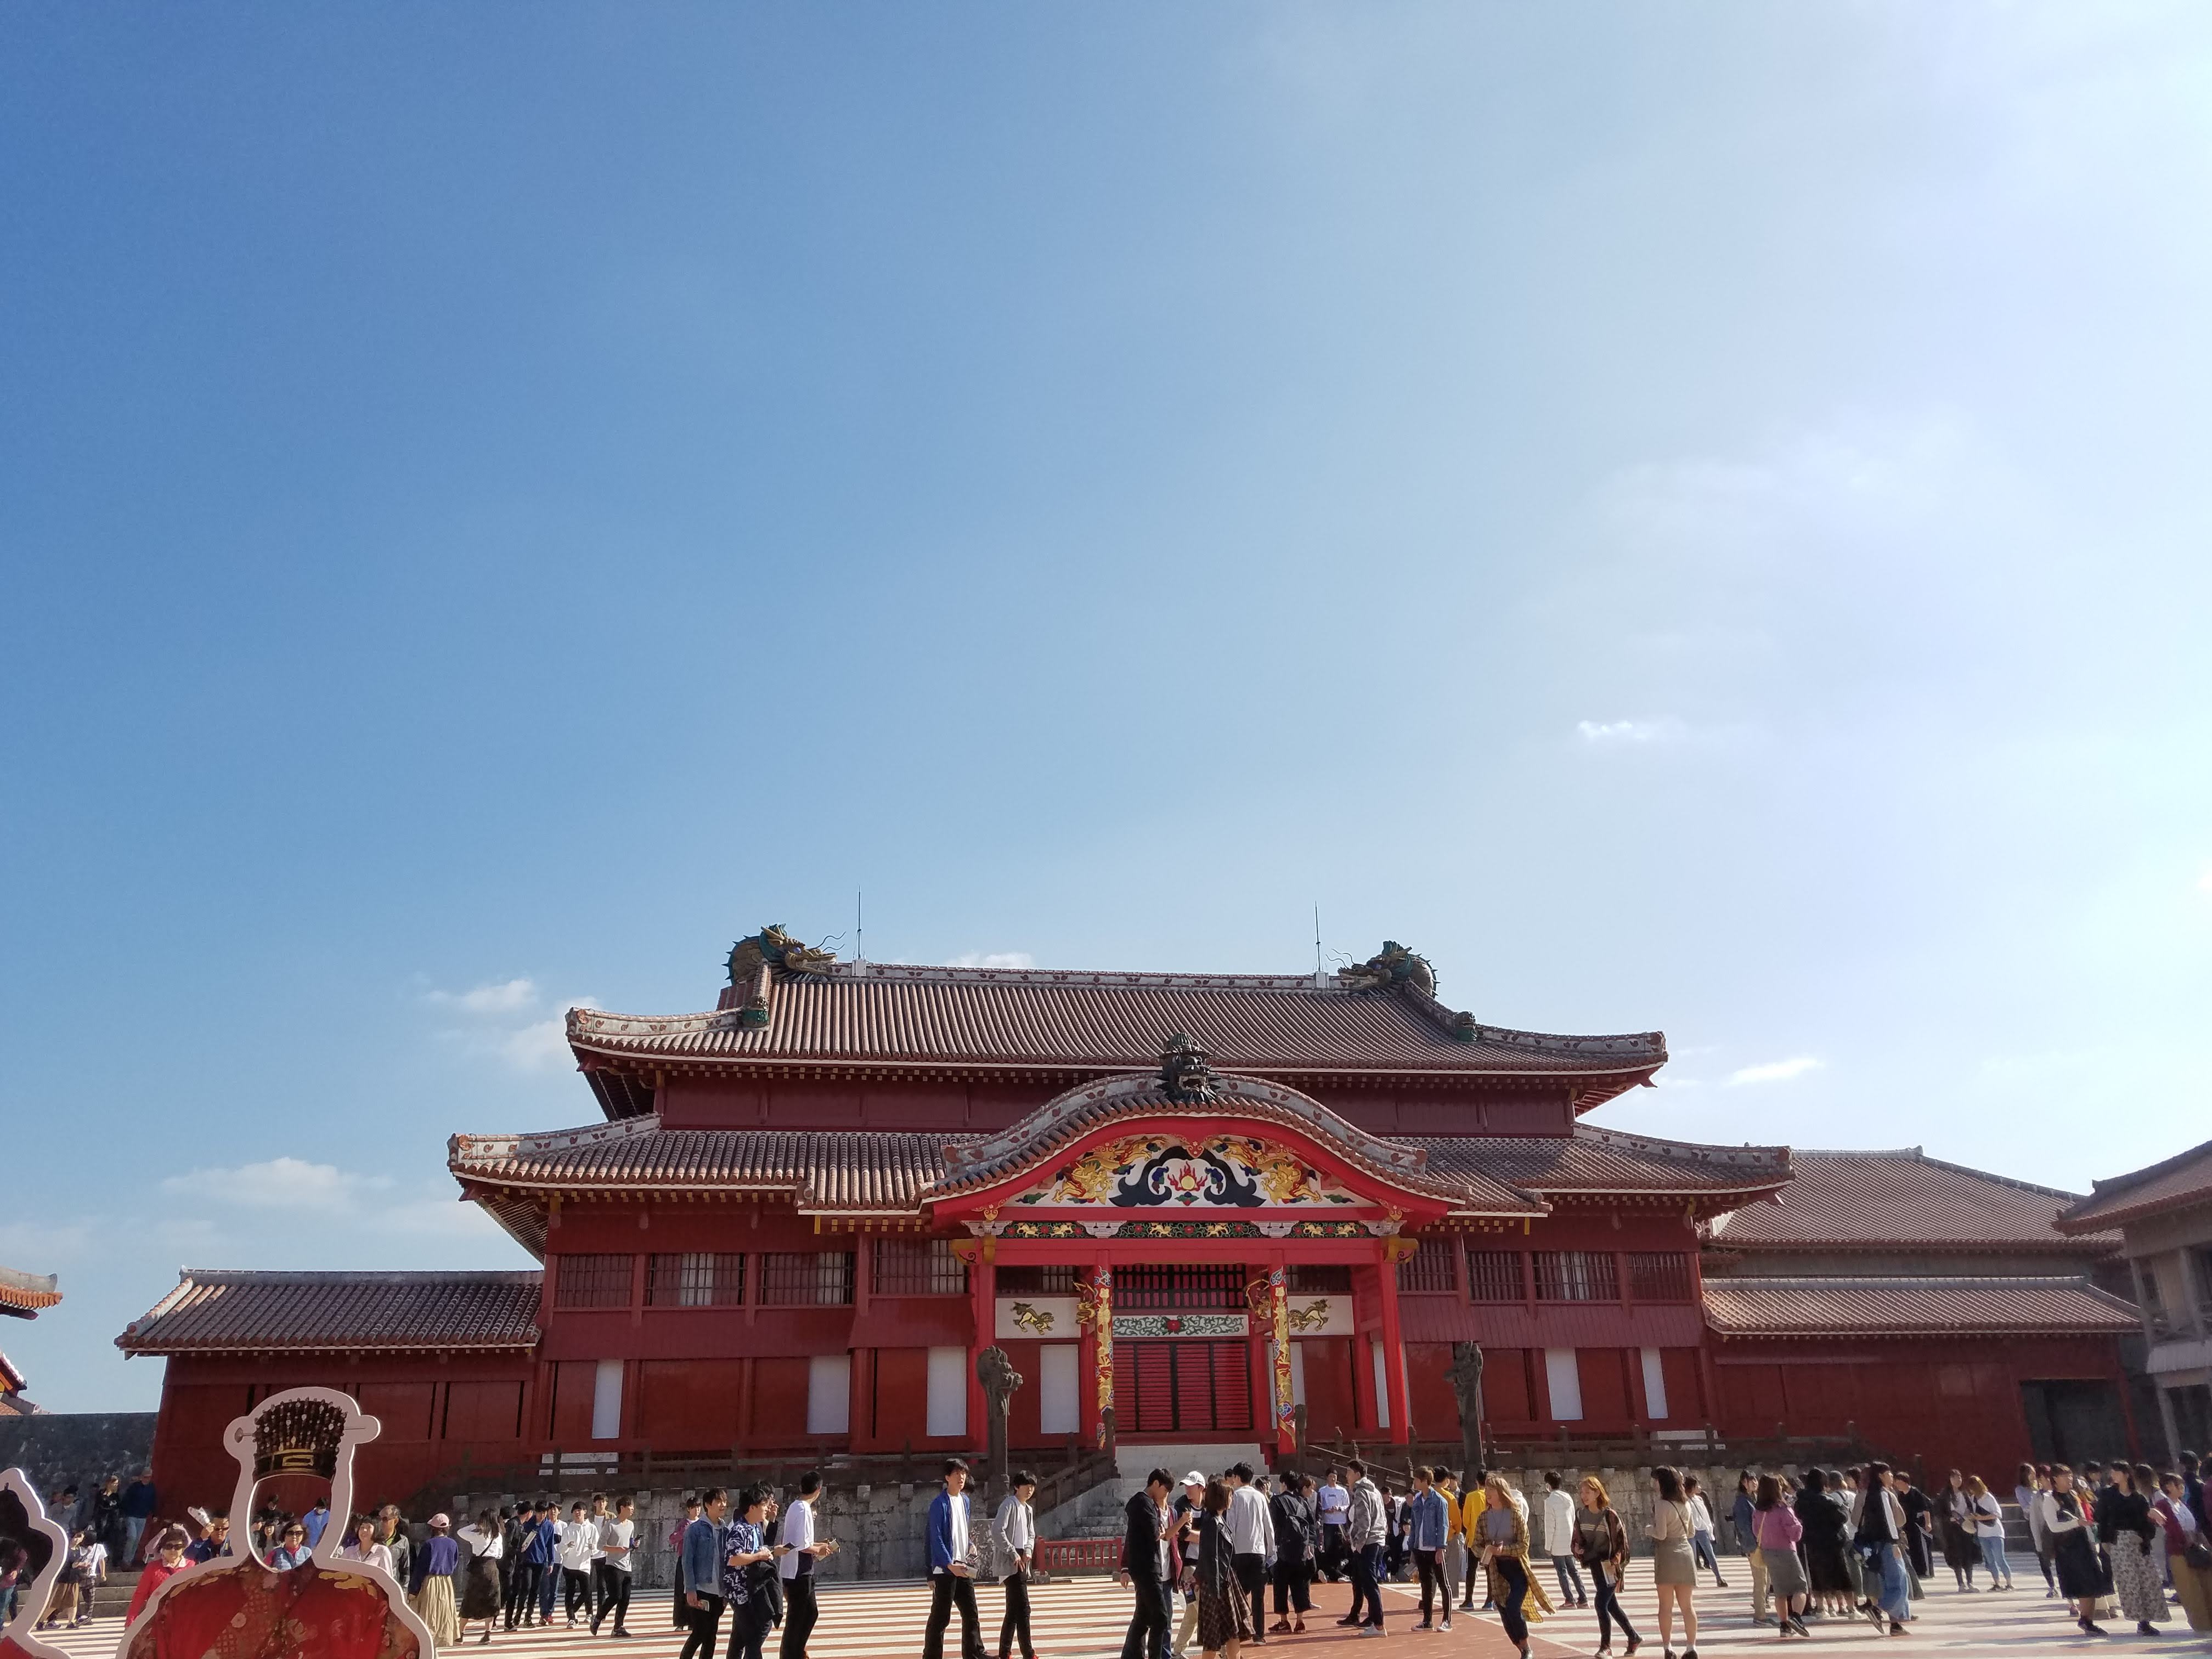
(1198, 1202)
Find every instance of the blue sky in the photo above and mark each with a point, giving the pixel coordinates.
(1692, 517)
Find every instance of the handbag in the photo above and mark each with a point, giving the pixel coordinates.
(2198, 1554)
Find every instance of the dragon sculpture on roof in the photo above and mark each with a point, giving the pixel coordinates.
(776, 948)
(1389, 968)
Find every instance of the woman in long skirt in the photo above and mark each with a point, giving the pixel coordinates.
(1825, 1544)
(2082, 1578)
(1225, 1624)
(432, 1593)
(1954, 1517)
(486, 1548)
(2126, 1529)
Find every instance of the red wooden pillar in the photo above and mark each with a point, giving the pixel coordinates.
(1393, 1351)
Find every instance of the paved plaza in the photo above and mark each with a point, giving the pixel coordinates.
(1084, 1619)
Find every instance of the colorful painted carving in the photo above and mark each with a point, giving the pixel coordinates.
(1279, 1306)
(1156, 1171)
(1035, 1320)
(1102, 1314)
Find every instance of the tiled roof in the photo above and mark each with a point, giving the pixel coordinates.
(862, 1172)
(11, 1380)
(2179, 1182)
(1903, 1199)
(1597, 1162)
(1040, 1019)
(1914, 1307)
(24, 1294)
(215, 1312)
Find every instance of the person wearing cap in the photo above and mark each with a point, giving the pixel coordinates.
(430, 1592)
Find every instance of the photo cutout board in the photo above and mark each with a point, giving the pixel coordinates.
(290, 1445)
(34, 1549)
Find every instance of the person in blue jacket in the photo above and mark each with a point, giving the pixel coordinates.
(951, 1571)
(699, 1572)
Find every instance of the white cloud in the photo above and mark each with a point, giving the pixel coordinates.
(280, 1183)
(993, 959)
(492, 1009)
(543, 1044)
(1777, 1071)
(35, 1246)
(1620, 732)
(507, 997)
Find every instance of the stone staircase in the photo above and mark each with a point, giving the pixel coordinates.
(1099, 1513)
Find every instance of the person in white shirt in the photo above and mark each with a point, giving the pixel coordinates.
(364, 1547)
(617, 1538)
(1701, 1530)
(1251, 1529)
(796, 1568)
(1014, 1527)
(1560, 1541)
(1333, 1505)
(578, 1538)
(483, 1547)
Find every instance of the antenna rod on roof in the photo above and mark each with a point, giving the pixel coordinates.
(860, 938)
(1318, 975)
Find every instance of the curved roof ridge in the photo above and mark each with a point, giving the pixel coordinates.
(2098, 1188)
(1747, 1155)
(1920, 1155)
(1074, 1112)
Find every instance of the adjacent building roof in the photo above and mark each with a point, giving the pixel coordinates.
(920, 1019)
(1596, 1163)
(25, 1294)
(217, 1311)
(1915, 1307)
(1900, 1199)
(2180, 1183)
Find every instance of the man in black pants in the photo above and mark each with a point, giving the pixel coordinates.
(699, 1573)
(796, 1569)
(617, 1545)
(1141, 1568)
(951, 1578)
(1251, 1529)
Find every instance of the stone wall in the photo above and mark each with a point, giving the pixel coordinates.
(62, 1448)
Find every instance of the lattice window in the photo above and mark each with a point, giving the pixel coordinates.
(1036, 1281)
(694, 1279)
(592, 1281)
(1165, 1289)
(1495, 1276)
(1576, 1276)
(1433, 1266)
(919, 1266)
(1320, 1278)
(808, 1279)
(1659, 1275)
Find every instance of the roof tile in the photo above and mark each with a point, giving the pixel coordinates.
(217, 1311)
(1904, 1199)
(2176, 1184)
(1914, 1307)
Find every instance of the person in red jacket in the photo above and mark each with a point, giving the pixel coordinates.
(167, 1563)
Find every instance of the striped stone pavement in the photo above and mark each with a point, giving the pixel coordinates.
(1084, 1619)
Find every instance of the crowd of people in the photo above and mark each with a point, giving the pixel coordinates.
(1220, 1561)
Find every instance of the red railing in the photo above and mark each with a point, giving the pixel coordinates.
(1064, 1555)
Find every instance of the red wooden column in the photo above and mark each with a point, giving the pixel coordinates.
(1393, 1351)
